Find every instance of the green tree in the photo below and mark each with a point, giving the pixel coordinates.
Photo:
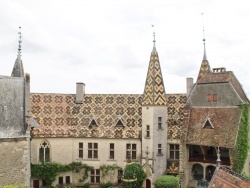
(133, 171)
(167, 182)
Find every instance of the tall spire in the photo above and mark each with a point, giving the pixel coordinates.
(18, 66)
(204, 43)
(154, 91)
(205, 67)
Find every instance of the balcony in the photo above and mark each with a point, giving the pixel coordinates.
(209, 159)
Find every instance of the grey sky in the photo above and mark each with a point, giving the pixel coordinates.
(107, 44)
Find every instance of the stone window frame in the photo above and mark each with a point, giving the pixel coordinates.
(92, 150)
(174, 151)
(112, 151)
(131, 149)
(95, 176)
(45, 148)
(159, 150)
(80, 150)
(159, 123)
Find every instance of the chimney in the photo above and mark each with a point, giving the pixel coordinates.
(80, 91)
(190, 83)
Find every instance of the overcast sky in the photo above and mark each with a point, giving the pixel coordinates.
(107, 44)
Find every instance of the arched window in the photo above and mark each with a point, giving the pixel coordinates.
(44, 152)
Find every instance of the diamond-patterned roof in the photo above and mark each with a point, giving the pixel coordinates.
(154, 91)
(58, 115)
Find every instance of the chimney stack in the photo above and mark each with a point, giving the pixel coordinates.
(80, 91)
(190, 83)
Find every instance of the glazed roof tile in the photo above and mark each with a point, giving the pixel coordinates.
(59, 116)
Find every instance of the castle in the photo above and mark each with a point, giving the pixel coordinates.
(178, 134)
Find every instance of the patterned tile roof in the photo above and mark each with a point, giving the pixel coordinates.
(176, 104)
(154, 91)
(204, 69)
(59, 115)
(224, 120)
(225, 177)
(225, 77)
(107, 116)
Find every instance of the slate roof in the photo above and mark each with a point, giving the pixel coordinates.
(59, 116)
(224, 120)
(225, 77)
(225, 177)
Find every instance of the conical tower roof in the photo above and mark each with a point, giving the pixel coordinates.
(18, 70)
(154, 91)
(205, 67)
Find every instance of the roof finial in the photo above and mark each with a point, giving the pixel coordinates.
(204, 40)
(218, 158)
(19, 43)
(154, 48)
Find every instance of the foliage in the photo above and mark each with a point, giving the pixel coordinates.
(49, 171)
(242, 140)
(106, 169)
(167, 181)
(106, 185)
(12, 186)
(136, 171)
(86, 185)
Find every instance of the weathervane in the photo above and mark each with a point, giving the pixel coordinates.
(19, 42)
(154, 37)
(205, 56)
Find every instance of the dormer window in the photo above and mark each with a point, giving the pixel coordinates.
(119, 123)
(93, 123)
(208, 124)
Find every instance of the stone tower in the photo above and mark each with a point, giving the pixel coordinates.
(14, 126)
(154, 118)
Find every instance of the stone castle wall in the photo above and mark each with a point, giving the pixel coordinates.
(14, 163)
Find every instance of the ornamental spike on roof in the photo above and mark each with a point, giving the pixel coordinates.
(18, 70)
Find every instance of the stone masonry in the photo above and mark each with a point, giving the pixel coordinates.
(14, 154)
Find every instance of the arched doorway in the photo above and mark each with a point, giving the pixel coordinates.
(197, 172)
(148, 183)
(209, 172)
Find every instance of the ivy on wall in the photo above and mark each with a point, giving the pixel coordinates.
(242, 140)
(109, 169)
(49, 171)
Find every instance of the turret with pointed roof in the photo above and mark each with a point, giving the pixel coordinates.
(205, 67)
(154, 91)
(18, 70)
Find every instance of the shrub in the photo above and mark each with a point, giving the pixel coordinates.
(167, 182)
(106, 185)
(86, 185)
(130, 171)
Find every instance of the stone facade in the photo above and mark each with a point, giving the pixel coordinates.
(14, 165)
